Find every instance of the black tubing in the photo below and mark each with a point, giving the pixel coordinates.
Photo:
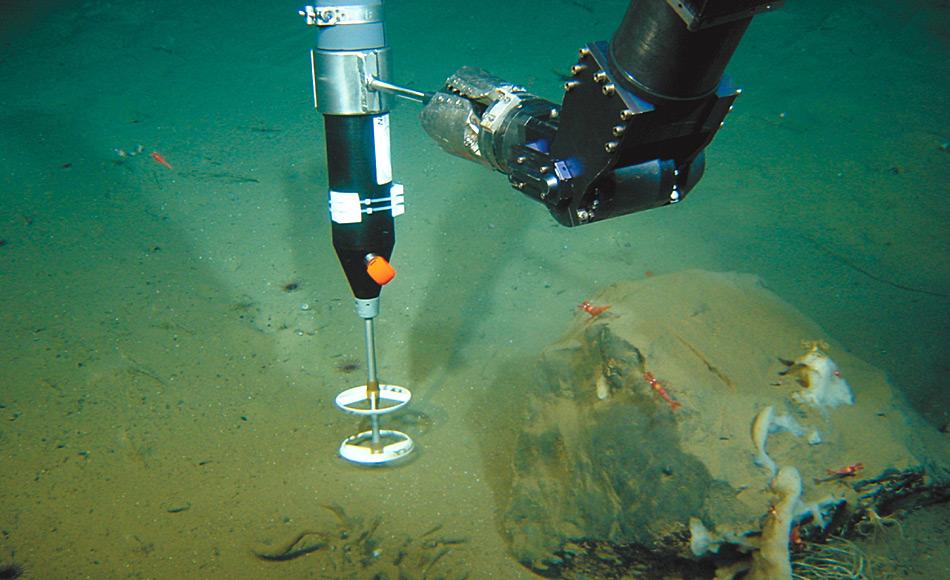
(655, 53)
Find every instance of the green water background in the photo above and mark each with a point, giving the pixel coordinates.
(150, 359)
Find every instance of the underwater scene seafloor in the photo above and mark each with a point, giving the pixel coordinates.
(176, 325)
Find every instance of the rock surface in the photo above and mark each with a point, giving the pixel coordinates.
(607, 466)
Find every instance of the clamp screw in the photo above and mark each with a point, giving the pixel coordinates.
(618, 130)
(626, 115)
(611, 146)
(320, 15)
(571, 85)
(578, 69)
(600, 76)
(609, 89)
(584, 52)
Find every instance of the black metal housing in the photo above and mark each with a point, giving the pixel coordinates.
(351, 164)
(637, 114)
(654, 52)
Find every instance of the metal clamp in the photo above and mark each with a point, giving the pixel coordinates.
(333, 15)
(507, 100)
(349, 207)
(342, 80)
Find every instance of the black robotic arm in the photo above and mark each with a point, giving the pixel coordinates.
(635, 119)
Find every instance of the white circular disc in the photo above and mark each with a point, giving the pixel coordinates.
(357, 448)
(391, 398)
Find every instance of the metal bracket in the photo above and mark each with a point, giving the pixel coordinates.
(342, 81)
(700, 14)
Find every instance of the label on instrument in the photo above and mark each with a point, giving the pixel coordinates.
(345, 207)
(384, 163)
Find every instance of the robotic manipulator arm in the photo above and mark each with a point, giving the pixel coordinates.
(637, 113)
(629, 135)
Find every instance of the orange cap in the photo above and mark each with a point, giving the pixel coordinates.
(380, 270)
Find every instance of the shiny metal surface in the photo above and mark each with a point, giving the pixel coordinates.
(342, 80)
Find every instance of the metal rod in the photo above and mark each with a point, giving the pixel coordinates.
(404, 92)
(372, 382)
(370, 352)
